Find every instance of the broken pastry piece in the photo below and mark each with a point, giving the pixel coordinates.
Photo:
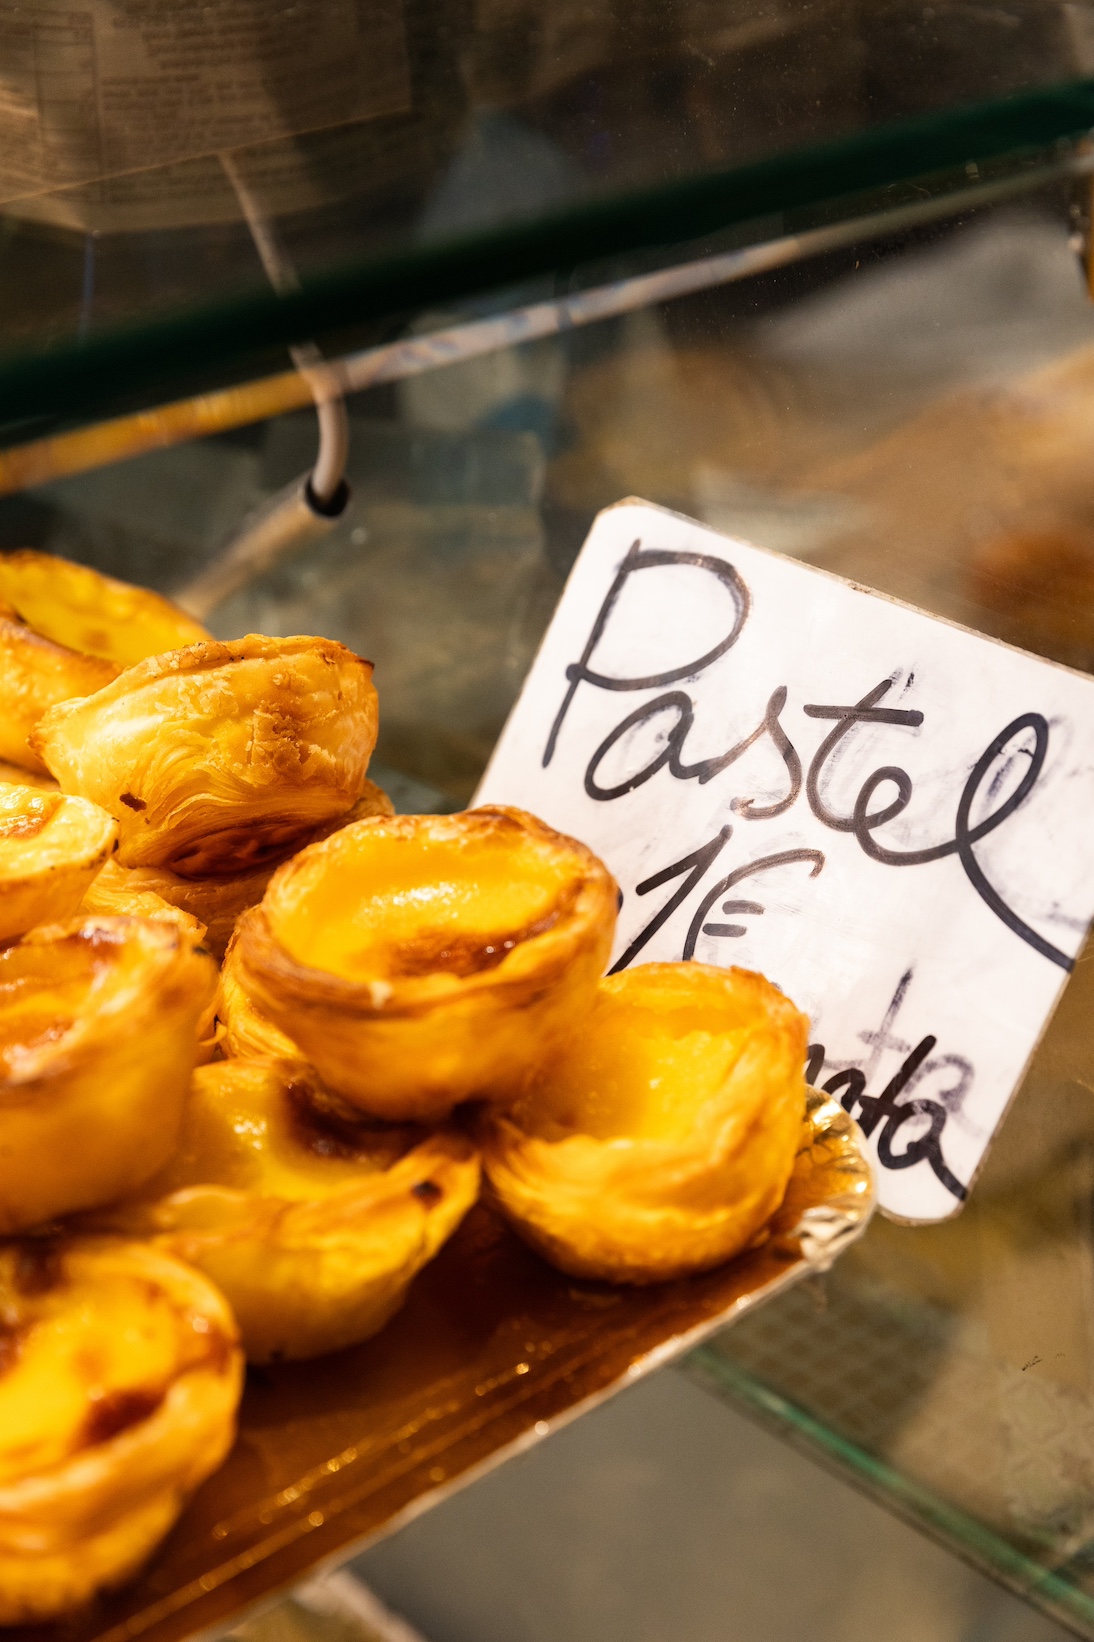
(214, 902)
(120, 1375)
(311, 1220)
(98, 1036)
(661, 1138)
(220, 759)
(424, 960)
(66, 630)
(51, 848)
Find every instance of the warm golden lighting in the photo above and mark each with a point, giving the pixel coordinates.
(65, 631)
(661, 1139)
(51, 848)
(98, 1023)
(310, 1219)
(220, 759)
(119, 1380)
(424, 960)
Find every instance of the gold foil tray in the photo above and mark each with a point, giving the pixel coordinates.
(492, 1349)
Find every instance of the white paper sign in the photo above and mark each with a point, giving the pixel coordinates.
(889, 816)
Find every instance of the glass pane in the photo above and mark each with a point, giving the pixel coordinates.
(410, 152)
(911, 410)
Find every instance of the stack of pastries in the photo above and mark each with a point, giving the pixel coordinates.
(262, 1041)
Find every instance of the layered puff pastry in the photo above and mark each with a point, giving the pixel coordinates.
(214, 903)
(120, 1375)
(311, 1220)
(219, 759)
(424, 960)
(99, 1024)
(661, 1138)
(51, 849)
(66, 630)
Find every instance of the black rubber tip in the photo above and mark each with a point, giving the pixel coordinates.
(334, 506)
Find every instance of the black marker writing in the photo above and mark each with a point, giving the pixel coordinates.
(864, 822)
(695, 865)
(639, 558)
(680, 703)
(781, 859)
(893, 1114)
(863, 712)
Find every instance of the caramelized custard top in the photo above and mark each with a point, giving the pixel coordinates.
(43, 990)
(25, 813)
(388, 906)
(87, 1350)
(649, 1059)
(259, 1127)
(74, 605)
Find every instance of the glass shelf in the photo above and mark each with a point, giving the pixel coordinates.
(879, 357)
(412, 156)
(949, 1371)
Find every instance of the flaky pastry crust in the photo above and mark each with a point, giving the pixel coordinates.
(66, 630)
(214, 903)
(218, 759)
(662, 1139)
(243, 1031)
(311, 1221)
(427, 959)
(119, 1383)
(98, 1024)
(51, 848)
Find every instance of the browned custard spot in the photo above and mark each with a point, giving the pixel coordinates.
(32, 1030)
(116, 1411)
(38, 1266)
(449, 952)
(32, 821)
(11, 1346)
(318, 1126)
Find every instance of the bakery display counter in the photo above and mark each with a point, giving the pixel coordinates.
(816, 276)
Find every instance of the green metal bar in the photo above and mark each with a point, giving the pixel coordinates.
(952, 1527)
(72, 375)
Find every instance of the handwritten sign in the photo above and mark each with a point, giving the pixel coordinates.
(889, 816)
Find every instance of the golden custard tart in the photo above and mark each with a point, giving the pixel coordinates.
(98, 1036)
(662, 1137)
(120, 1375)
(219, 759)
(311, 1220)
(423, 960)
(51, 848)
(214, 903)
(65, 631)
(243, 1031)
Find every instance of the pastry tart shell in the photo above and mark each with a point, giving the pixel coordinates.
(213, 904)
(98, 1036)
(219, 759)
(51, 849)
(422, 1032)
(65, 631)
(88, 1522)
(642, 1207)
(320, 1263)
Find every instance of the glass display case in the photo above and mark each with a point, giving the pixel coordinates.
(814, 272)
